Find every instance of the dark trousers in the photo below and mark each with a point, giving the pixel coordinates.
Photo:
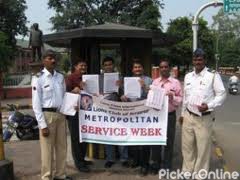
(39, 53)
(140, 155)
(144, 156)
(166, 160)
(78, 149)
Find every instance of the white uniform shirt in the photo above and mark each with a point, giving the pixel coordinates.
(47, 92)
(206, 83)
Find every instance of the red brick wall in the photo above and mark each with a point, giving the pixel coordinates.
(24, 92)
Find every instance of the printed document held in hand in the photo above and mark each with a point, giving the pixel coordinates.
(92, 83)
(70, 100)
(155, 97)
(132, 87)
(195, 101)
(109, 84)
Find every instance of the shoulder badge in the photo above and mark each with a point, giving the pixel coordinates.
(38, 74)
(59, 72)
(211, 70)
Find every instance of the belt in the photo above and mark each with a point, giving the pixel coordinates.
(203, 114)
(49, 109)
(172, 113)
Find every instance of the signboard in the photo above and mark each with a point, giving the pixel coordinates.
(231, 6)
(121, 123)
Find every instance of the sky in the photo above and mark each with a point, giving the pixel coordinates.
(38, 12)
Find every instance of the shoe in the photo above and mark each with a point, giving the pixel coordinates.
(125, 164)
(133, 164)
(154, 171)
(66, 178)
(143, 171)
(109, 164)
(83, 168)
(154, 168)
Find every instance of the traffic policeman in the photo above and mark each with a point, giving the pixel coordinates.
(47, 95)
(203, 92)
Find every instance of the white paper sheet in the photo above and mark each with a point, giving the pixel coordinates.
(155, 97)
(194, 102)
(70, 100)
(109, 84)
(92, 83)
(132, 87)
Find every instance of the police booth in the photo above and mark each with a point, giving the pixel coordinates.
(93, 43)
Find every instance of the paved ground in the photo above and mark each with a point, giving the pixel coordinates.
(227, 127)
(26, 158)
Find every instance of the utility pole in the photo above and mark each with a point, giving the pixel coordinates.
(214, 3)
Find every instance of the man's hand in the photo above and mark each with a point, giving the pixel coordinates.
(45, 132)
(124, 98)
(82, 85)
(180, 120)
(119, 83)
(76, 90)
(170, 95)
(203, 107)
(142, 84)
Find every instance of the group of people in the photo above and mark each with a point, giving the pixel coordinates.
(50, 86)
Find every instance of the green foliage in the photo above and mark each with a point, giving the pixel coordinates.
(64, 63)
(79, 13)
(12, 19)
(5, 52)
(180, 30)
(228, 35)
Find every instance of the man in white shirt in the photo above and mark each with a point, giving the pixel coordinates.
(47, 96)
(203, 92)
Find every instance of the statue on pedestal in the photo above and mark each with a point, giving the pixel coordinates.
(36, 42)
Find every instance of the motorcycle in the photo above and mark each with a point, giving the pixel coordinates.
(24, 126)
(233, 89)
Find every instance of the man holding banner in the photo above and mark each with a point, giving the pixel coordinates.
(73, 85)
(173, 90)
(108, 67)
(140, 154)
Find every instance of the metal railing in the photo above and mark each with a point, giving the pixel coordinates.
(13, 80)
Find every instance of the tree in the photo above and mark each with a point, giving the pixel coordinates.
(12, 19)
(181, 48)
(227, 30)
(5, 52)
(79, 13)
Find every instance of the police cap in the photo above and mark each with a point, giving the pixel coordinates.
(49, 53)
(198, 53)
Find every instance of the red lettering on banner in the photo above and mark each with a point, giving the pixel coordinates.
(99, 130)
(120, 131)
(123, 131)
(158, 133)
(151, 132)
(146, 131)
(143, 132)
(104, 131)
(84, 129)
(91, 129)
(117, 133)
(134, 131)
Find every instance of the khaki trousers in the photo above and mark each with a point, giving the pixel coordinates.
(54, 144)
(196, 142)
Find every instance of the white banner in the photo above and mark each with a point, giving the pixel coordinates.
(121, 123)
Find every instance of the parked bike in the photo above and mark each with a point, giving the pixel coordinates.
(233, 89)
(23, 125)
